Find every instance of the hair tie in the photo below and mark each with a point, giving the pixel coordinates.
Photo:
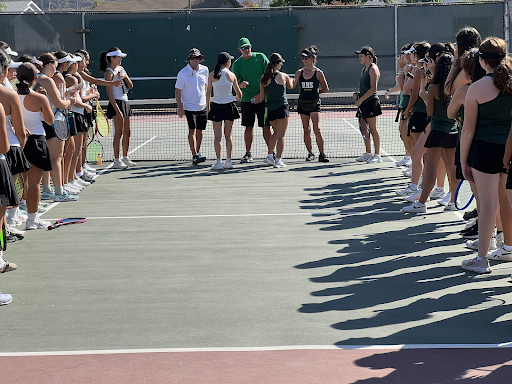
(491, 56)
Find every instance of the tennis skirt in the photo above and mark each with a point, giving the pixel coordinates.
(438, 139)
(80, 123)
(37, 153)
(418, 122)
(221, 112)
(124, 107)
(487, 157)
(89, 121)
(49, 131)
(71, 124)
(458, 166)
(509, 180)
(368, 109)
(281, 112)
(8, 195)
(16, 160)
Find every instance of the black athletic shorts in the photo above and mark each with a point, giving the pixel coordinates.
(280, 113)
(418, 122)
(37, 153)
(221, 112)
(48, 130)
(509, 179)
(250, 111)
(368, 109)
(458, 166)
(124, 107)
(80, 123)
(196, 119)
(486, 157)
(16, 160)
(438, 139)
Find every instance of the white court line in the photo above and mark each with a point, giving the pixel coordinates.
(260, 349)
(103, 171)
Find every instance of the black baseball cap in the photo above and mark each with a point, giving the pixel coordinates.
(224, 57)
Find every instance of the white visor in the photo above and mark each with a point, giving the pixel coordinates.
(409, 51)
(117, 53)
(65, 59)
(15, 64)
(9, 51)
(75, 59)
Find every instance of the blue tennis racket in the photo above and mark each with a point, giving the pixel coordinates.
(366, 135)
(464, 195)
(61, 222)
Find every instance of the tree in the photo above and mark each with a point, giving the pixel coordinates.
(95, 3)
(2, 6)
(290, 3)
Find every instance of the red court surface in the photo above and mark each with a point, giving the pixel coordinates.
(341, 366)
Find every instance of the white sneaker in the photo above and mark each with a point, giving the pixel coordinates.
(450, 207)
(89, 168)
(119, 164)
(415, 208)
(446, 199)
(14, 231)
(406, 192)
(437, 193)
(37, 224)
(413, 196)
(473, 244)
(228, 164)
(279, 164)
(407, 170)
(81, 183)
(74, 184)
(500, 254)
(473, 265)
(66, 196)
(217, 166)
(405, 162)
(128, 162)
(470, 223)
(499, 240)
(408, 173)
(374, 159)
(365, 157)
(269, 160)
(71, 190)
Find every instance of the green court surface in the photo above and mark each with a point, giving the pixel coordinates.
(177, 256)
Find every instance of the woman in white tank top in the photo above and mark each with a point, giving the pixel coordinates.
(223, 107)
(35, 107)
(118, 108)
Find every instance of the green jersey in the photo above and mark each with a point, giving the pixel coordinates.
(250, 70)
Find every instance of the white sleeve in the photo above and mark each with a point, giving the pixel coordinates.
(180, 81)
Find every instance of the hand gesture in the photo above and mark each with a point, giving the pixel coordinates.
(244, 84)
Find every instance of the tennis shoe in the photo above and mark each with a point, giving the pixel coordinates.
(130, 163)
(8, 267)
(247, 158)
(474, 265)
(47, 195)
(65, 197)
(279, 164)
(406, 192)
(37, 224)
(311, 157)
(450, 207)
(405, 162)
(5, 298)
(81, 183)
(74, 184)
(437, 193)
(71, 190)
(88, 178)
(16, 232)
(446, 199)
(119, 164)
(89, 168)
(323, 158)
(470, 215)
(499, 240)
(473, 244)
(413, 196)
(269, 160)
(501, 254)
(408, 173)
(364, 157)
(228, 164)
(469, 224)
(217, 166)
(415, 207)
(374, 159)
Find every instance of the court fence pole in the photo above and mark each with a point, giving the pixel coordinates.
(83, 34)
(506, 23)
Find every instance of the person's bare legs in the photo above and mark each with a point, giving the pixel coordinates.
(217, 133)
(33, 193)
(68, 156)
(126, 136)
(448, 160)
(249, 136)
(307, 132)
(280, 125)
(118, 132)
(407, 140)
(441, 174)
(76, 155)
(228, 127)
(429, 175)
(417, 157)
(315, 119)
(372, 122)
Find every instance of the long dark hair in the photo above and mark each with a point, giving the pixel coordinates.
(59, 55)
(467, 38)
(5, 59)
(46, 58)
(421, 49)
(105, 60)
(438, 49)
(84, 54)
(443, 67)
(494, 51)
(275, 59)
(467, 64)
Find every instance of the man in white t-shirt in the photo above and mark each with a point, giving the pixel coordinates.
(191, 99)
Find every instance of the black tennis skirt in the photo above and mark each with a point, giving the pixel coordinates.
(123, 105)
(8, 195)
(89, 121)
(37, 153)
(368, 109)
(458, 166)
(221, 112)
(509, 180)
(487, 157)
(438, 139)
(80, 123)
(16, 160)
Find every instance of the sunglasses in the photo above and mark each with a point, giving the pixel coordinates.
(246, 47)
(195, 58)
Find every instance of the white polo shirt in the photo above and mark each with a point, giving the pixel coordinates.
(193, 87)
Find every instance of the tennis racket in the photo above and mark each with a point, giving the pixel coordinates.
(366, 135)
(3, 237)
(463, 196)
(60, 125)
(102, 124)
(94, 149)
(20, 185)
(61, 222)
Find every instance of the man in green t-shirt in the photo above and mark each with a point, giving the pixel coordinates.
(248, 69)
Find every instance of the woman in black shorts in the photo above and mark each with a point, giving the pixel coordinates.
(487, 121)
(311, 82)
(34, 106)
(368, 103)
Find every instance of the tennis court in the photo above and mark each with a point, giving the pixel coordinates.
(309, 274)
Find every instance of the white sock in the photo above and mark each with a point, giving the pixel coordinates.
(270, 156)
(478, 258)
(24, 202)
(47, 188)
(59, 190)
(440, 188)
(278, 159)
(32, 216)
(507, 248)
(11, 212)
(413, 186)
(219, 160)
(228, 158)
(78, 174)
(407, 157)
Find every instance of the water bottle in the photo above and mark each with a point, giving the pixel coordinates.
(98, 159)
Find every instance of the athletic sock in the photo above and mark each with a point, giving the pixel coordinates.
(78, 174)
(478, 258)
(507, 248)
(270, 156)
(278, 159)
(32, 216)
(407, 157)
(11, 212)
(47, 188)
(59, 190)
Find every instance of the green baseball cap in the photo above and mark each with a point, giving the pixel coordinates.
(243, 42)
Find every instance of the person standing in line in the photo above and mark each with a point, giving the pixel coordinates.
(312, 83)
(248, 69)
(191, 86)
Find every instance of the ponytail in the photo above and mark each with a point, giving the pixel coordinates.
(267, 75)
(216, 72)
(502, 77)
(374, 59)
(23, 87)
(103, 61)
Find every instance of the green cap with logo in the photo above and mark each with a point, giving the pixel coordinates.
(243, 42)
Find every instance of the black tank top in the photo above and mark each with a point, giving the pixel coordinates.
(309, 87)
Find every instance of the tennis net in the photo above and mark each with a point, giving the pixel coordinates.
(157, 133)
